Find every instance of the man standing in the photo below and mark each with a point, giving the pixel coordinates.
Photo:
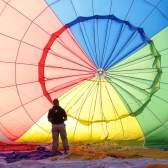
(57, 116)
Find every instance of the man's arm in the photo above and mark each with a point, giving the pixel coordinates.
(64, 115)
(49, 115)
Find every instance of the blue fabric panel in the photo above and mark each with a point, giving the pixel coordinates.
(163, 7)
(153, 2)
(64, 10)
(83, 7)
(89, 35)
(111, 40)
(139, 12)
(82, 36)
(106, 49)
(158, 23)
(121, 8)
(104, 39)
(135, 11)
(101, 36)
(127, 43)
(101, 7)
(130, 47)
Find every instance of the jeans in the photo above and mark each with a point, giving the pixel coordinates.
(59, 129)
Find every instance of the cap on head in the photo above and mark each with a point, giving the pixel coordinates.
(56, 102)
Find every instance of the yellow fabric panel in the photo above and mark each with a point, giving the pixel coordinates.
(124, 129)
(94, 101)
(122, 126)
(100, 112)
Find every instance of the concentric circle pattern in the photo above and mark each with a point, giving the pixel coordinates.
(107, 64)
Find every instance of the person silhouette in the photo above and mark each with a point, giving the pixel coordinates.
(57, 116)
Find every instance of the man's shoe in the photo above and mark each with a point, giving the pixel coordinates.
(66, 152)
(56, 153)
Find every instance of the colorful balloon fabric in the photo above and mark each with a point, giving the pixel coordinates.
(106, 61)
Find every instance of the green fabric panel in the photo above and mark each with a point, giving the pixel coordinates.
(136, 78)
(154, 118)
(158, 137)
(141, 80)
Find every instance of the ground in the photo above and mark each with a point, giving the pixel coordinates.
(94, 155)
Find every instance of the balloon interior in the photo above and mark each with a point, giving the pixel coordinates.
(106, 61)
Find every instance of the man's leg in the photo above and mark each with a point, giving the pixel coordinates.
(55, 136)
(64, 139)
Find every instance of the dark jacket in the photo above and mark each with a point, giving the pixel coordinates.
(57, 115)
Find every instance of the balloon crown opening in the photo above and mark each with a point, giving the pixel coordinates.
(100, 73)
